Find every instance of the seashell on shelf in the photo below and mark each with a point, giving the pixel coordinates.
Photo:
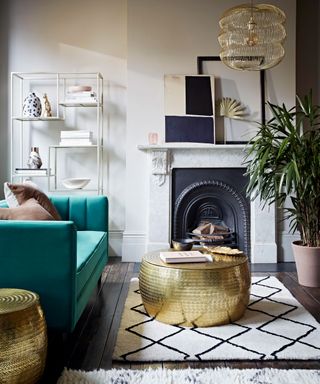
(231, 108)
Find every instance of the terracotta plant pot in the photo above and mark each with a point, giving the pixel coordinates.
(308, 264)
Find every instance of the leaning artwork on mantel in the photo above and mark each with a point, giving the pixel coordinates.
(189, 108)
(239, 99)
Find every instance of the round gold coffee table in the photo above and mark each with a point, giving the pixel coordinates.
(23, 337)
(195, 294)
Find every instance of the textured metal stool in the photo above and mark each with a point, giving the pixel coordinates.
(23, 337)
(195, 294)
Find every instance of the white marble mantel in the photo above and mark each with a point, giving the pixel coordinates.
(163, 158)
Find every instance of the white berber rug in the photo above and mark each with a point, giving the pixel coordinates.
(191, 376)
(275, 326)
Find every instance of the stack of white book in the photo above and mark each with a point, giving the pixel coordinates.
(84, 97)
(76, 138)
(183, 257)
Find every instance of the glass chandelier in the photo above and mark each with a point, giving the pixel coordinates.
(251, 36)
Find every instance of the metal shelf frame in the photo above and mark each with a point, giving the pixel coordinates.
(23, 83)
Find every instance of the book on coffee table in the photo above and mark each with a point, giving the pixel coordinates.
(183, 257)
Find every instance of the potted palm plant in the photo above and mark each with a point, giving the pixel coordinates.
(283, 161)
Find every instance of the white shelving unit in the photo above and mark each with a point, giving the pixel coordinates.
(56, 86)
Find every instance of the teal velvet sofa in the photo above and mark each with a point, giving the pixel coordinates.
(62, 261)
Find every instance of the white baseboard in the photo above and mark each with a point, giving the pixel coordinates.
(285, 253)
(115, 242)
(264, 253)
(133, 246)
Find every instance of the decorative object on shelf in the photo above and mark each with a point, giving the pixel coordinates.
(251, 36)
(32, 106)
(34, 161)
(79, 88)
(231, 108)
(47, 106)
(283, 164)
(75, 183)
(153, 138)
(81, 94)
(189, 109)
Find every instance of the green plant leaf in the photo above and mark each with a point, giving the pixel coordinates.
(284, 160)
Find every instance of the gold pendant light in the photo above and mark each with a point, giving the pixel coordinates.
(251, 36)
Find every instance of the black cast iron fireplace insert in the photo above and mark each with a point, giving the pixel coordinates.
(215, 195)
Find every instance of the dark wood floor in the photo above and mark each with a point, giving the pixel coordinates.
(91, 344)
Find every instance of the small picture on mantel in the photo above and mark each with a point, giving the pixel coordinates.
(189, 108)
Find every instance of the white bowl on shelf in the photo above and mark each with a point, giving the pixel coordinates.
(75, 183)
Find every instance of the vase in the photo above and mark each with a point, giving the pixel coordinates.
(32, 106)
(34, 161)
(308, 264)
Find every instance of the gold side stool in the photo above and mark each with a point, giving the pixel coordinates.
(23, 337)
(195, 294)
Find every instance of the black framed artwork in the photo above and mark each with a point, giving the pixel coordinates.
(189, 108)
(246, 88)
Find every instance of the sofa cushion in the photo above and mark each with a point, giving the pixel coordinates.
(10, 197)
(29, 210)
(91, 246)
(24, 192)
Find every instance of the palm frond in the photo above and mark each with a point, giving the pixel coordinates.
(283, 159)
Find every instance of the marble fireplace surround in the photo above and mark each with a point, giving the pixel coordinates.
(163, 158)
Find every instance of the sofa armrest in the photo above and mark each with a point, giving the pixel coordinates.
(41, 256)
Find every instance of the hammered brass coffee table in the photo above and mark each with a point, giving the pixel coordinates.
(195, 294)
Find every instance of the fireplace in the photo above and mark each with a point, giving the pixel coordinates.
(258, 233)
(211, 195)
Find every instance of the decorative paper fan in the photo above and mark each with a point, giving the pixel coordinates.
(231, 108)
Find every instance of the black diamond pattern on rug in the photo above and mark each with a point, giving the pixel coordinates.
(275, 326)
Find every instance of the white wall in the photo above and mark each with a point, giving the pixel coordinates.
(80, 36)
(133, 44)
(165, 37)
